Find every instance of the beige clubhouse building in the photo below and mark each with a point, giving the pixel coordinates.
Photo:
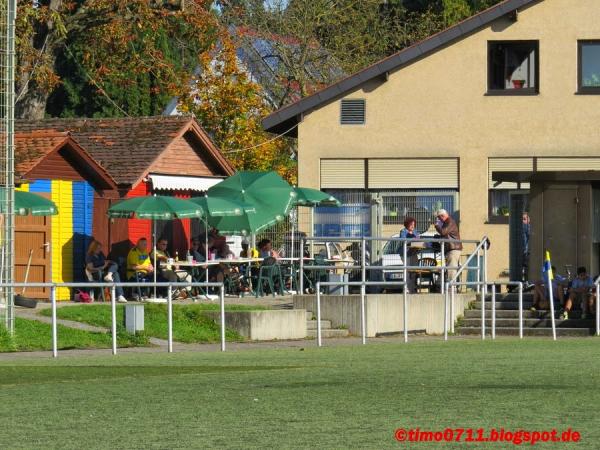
(497, 115)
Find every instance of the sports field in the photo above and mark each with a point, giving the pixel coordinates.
(336, 397)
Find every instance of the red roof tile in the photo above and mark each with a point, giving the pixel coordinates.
(125, 147)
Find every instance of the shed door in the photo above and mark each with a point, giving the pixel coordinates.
(32, 233)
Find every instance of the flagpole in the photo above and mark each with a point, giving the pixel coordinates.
(549, 277)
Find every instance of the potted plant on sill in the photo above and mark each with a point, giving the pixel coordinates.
(518, 84)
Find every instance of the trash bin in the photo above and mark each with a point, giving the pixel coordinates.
(341, 289)
(134, 318)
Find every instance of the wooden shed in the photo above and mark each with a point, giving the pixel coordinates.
(85, 165)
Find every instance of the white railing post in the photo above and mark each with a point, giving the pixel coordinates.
(363, 322)
(485, 277)
(478, 270)
(301, 275)
(54, 325)
(405, 291)
(170, 319)
(597, 309)
(452, 299)
(521, 310)
(113, 325)
(445, 296)
(493, 311)
(443, 271)
(483, 314)
(222, 302)
(318, 287)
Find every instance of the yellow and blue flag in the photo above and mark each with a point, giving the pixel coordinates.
(547, 269)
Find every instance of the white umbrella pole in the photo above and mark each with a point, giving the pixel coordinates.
(312, 230)
(206, 250)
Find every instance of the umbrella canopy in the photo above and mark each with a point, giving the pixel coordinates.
(217, 206)
(156, 207)
(27, 203)
(267, 193)
(314, 197)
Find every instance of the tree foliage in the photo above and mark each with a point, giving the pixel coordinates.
(230, 107)
(108, 45)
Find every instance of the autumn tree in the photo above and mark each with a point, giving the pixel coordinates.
(108, 45)
(230, 107)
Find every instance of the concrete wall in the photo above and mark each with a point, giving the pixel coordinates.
(437, 107)
(384, 312)
(266, 325)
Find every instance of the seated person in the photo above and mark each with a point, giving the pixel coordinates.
(197, 250)
(167, 272)
(139, 262)
(248, 252)
(96, 263)
(541, 294)
(265, 249)
(579, 293)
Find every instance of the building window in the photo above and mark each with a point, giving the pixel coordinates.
(589, 67)
(513, 68)
(353, 112)
(422, 205)
(500, 203)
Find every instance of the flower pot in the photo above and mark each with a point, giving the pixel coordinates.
(518, 84)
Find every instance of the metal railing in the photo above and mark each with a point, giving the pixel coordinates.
(113, 302)
(364, 267)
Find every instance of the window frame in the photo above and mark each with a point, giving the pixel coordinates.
(581, 89)
(514, 92)
(499, 219)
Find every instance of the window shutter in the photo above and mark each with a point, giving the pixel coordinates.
(342, 174)
(413, 173)
(567, 164)
(508, 165)
(353, 112)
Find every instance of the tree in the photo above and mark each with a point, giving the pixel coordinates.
(111, 44)
(230, 107)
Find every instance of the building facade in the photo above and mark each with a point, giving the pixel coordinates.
(446, 122)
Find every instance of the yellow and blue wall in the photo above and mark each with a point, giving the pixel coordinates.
(71, 228)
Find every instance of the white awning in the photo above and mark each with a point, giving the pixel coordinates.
(177, 183)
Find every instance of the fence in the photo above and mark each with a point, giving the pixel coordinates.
(112, 286)
(376, 257)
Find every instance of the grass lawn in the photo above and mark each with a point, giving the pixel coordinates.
(31, 335)
(189, 322)
(343, 397)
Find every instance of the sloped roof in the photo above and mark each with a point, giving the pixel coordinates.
(125, 147)
(285, 118)
(31, 147)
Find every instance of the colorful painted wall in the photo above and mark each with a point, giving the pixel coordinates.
(71, 228)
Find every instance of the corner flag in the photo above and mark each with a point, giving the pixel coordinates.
(547, 270)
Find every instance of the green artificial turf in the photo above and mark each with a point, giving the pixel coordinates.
(189, 323)
(343, 397)
(32, 335)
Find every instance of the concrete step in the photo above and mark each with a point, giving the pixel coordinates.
(312, 324)
(470, 331)
(512, 297)
(503, 305)
(531, 323)
(328, 333)
(514, 314)
(310, 315)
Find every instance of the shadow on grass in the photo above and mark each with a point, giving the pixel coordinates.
(18, 375)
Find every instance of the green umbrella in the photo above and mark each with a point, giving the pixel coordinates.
(216, 206)
(156, 207)
(27, 203)
(314, 197)
(267, 193)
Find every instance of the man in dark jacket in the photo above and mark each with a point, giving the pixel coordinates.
(448, 229)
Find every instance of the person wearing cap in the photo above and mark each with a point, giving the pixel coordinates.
(448, 229)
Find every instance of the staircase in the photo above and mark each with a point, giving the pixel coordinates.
(326, 330)
(535, 323)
